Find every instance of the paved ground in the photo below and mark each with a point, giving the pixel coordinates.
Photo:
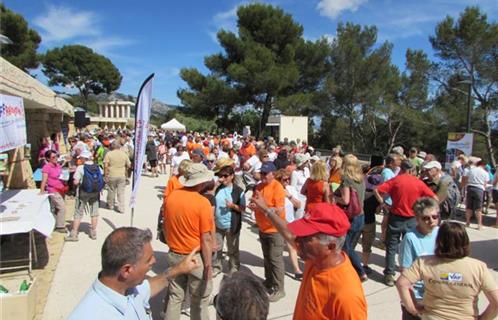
(80, 262)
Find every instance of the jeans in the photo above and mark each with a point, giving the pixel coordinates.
(397, 226)
(272, 245)
(351, 241)
(198, 288)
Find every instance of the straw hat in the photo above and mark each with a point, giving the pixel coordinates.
(223, 162)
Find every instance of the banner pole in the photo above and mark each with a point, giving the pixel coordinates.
(136, 150)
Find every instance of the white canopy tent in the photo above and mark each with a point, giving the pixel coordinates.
(173, 125)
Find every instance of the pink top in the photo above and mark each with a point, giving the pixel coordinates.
(54, 184)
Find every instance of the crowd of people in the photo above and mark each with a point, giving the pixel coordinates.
(317, 208)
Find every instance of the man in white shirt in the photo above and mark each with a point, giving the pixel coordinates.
(477, 179)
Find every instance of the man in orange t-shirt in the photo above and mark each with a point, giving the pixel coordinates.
(188, 224)
(330, 288)
(272, 242)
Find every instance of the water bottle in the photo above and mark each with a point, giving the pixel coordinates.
(24, 287)
(3, 289)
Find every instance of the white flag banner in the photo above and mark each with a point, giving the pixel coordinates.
(12, 123)
(142, 118)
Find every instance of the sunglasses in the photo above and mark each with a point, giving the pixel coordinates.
(428, 218)
(224, 175)
(286, 180)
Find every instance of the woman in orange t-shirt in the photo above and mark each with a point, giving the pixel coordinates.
(316, 189)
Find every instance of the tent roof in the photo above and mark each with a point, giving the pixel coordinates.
(173, 124)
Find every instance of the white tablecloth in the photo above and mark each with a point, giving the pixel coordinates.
(24, 210)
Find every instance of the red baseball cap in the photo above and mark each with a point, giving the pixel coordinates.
(321, 218)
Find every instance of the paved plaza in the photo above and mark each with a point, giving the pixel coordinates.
(80, 261)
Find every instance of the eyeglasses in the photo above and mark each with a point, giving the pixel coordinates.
(428, 218)
(224, 175)
(286, 180)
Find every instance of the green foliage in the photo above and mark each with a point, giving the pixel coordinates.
(468, 52)
(25, 41)
(79, 67)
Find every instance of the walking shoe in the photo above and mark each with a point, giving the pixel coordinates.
(93, 234)
(72, 237)
(389, 280)
(276, 295)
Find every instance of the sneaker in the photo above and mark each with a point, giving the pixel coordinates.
(389, 280)
(93, 234)
(276, 295)
(72, 237)
(363, 278)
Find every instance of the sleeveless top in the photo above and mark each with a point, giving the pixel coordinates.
(314, 193)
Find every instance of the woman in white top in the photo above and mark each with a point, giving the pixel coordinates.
(292, 206)
(302, 172)
(177, 158)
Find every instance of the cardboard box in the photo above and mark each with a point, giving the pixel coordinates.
(14, 305)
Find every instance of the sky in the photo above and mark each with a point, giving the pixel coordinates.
(162, 37)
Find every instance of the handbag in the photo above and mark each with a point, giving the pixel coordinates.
(354, 207)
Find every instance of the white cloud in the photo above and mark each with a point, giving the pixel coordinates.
(333, 8)
(104, 45)
(63, 23)
(226, 20)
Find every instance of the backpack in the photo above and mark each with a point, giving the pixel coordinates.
(448, 206)
(93, 181)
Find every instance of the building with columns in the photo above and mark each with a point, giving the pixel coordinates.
(113, 114)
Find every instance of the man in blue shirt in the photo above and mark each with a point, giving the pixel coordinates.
(120, 292)
(230, 204)
(420, 241)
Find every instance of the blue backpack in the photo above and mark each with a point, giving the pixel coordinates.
(93, 181)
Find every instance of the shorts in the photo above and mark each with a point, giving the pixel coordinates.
(475, 197)
(367, 237)
(153, 163)
(86, 207)
(495, 197)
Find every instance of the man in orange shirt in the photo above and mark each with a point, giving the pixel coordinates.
(189, 223)
(330, 288)
(272, 243)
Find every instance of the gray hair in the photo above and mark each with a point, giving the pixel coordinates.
(123, 246)
(115, 145)
(424, 204)
(242, 296)
(325, 239)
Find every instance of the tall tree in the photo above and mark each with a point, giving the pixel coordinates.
(259, 67)
(468, 48)
(357, 75)
(22, 51)
(79, 67)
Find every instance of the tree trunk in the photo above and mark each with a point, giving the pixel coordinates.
(264, 118)
(351, 128)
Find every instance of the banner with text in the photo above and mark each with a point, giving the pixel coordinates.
(142, 118)
(12, 123)
(458, 143)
